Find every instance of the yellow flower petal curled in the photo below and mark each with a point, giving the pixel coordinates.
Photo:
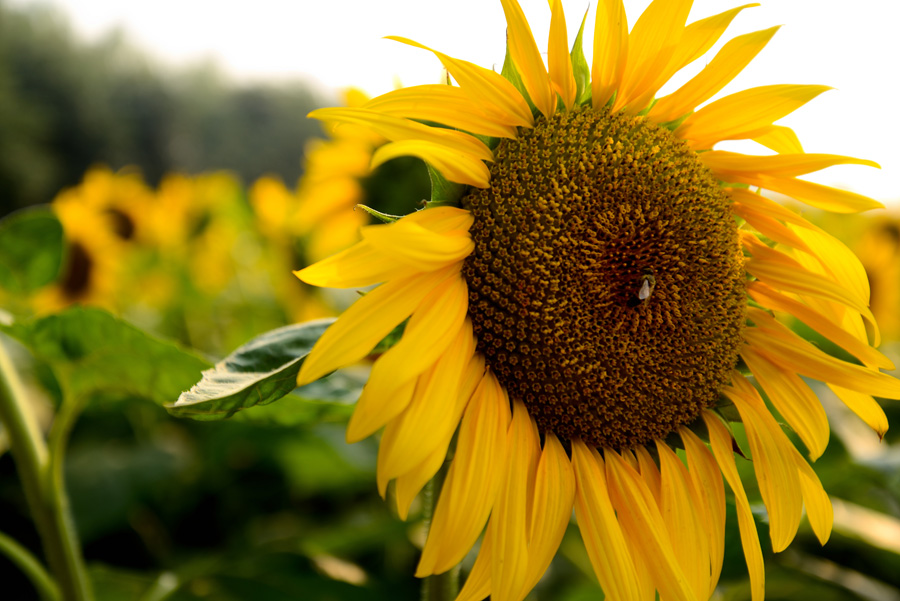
(423, 424)
(554, 495)
(730, 61)
(731, 165)
(742, 114)
(417, 246)
(353, 268)
(397, 129)
(508, 526)
(560, 64)
(407, 486)
(649, 472)
(700, 36)
(492, 90)
(781, 139)
(818, 505)
(773, 464)
(680, 514)
(527, 57)
(794, 401)
(430, 331)
(610, 51)
(358, 331)
(643, 524)
(600, 530)
(468, 493)
(865, 407)
(445, 104)
(709, 491)
(460, 167)
(720, 443)
(650, 46)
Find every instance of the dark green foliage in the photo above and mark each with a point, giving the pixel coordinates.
(31, 250)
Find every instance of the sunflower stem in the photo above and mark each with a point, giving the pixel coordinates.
(438, 587)
(43, 491)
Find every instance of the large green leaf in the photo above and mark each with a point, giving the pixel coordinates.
(92, 352)
(31, 249)
(259, 372)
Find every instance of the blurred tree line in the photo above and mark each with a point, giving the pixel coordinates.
(66, 104)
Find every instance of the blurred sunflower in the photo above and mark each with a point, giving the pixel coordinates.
(878, 248)
(598, 297)
(102, 220)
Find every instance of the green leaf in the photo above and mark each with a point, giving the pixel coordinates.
(259, 372)
(442, 189)
(31, 249)
(92, 352)
(580, 67)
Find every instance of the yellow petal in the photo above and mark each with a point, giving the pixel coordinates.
(649, 472)
(441, 103)
(793, 399)
(430, 416)
(430, 331)
(818, 505)
(864, 406)
(773, 464)
(738, 115)
(561, 73)
(417, 246)
(769, 207)
(528, 61)
(397, 129)
(651, 44)
(709, 491)
(599, 527)
(784, 348)
(644, 526)
(726, 164)
(770, 227)
(472, 481)
(702, 35)
(720, 442)
(610, 51)
(508, 524)
(687, 529)
(478, 583)
(782, 272)
(815, 195)
(358, 266)
(554, 495)
(774, 300)
(368, 321)
(494, 92)
(781, 139)
(724, 67)
(408, 485)
(456, 166)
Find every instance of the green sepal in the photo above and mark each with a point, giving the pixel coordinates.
(510, 72)
(259, 372)
(580, 67)
(93, 354)
(675, 123)
(443, 191)
(31, 249)
(384, 217)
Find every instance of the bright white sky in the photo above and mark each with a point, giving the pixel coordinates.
(850, 45)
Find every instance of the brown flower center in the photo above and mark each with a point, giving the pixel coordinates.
(607, 286)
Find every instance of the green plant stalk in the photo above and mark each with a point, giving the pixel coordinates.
(31, 567)
(47, 502)
(438, 587)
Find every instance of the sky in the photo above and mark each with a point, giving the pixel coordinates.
(851, 46)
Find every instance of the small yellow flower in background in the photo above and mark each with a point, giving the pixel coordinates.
(878, 248)
(102, 220)
(608, 289)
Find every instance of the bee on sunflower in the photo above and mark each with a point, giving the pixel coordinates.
(594, 296)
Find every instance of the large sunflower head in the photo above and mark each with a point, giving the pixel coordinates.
(593, 287)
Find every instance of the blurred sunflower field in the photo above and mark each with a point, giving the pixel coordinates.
(150, 223)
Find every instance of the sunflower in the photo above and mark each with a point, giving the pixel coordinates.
(593, 302)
